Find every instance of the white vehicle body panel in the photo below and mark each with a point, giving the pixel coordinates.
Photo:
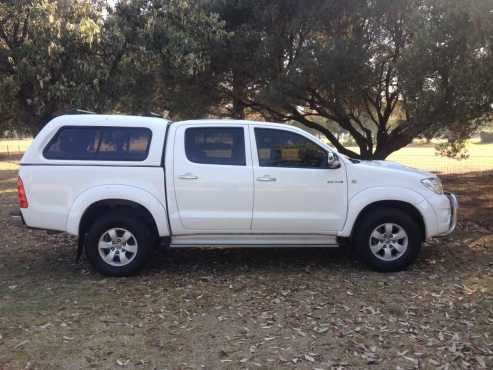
(210, 197)
(57, 204)
(299, 200)
(130, 193)
(374, 181)
(209, 204)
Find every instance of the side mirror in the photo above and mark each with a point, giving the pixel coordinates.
(333, 161)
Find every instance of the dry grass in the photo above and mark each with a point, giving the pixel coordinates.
(425, 158)
(10, 164)
(250, 309)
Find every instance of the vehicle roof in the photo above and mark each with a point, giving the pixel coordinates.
(154, 123)
(112, 119)
(228, 121)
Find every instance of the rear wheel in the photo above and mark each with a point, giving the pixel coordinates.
(388, 240)
(119, 244)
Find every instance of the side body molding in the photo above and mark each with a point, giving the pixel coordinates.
(124, 192)
(375, 194)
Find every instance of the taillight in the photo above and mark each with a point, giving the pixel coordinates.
(22, 194)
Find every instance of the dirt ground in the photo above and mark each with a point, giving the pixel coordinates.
(251, 309)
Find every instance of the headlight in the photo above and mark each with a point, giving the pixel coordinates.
(434, 184)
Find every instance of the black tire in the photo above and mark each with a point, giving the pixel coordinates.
(143, 237)
(365, 228)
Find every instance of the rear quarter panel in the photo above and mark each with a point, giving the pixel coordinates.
(55, 192)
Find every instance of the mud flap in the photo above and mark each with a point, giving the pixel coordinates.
(81, 242)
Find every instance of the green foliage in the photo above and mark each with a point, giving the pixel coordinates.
(155, 48)
(382, 72)
(38, 40)
(59, 55)
(386, 71)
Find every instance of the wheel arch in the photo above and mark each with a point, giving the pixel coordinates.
(98, 200)
(406, 207)
(394, 197)
(101, 207)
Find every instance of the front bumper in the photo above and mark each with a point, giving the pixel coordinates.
(454, 206)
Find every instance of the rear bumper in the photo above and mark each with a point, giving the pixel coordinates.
(17, 219)
(454, 206)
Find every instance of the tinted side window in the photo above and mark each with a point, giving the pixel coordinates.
(215, 145)
(124, 144)
(99, 144)
(279, 148)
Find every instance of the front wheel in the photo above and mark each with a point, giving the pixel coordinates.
(119, 244)
(388, 240)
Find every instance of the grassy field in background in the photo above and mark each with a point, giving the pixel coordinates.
(425, 157)
(9, 146)
(421, 156)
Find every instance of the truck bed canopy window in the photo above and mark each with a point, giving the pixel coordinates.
(99, 144)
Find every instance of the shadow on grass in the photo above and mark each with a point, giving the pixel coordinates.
(242, 260)
(475, 194)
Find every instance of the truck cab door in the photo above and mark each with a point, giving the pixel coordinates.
(295, 190)
(212, 179)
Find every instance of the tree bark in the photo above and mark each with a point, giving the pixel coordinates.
(238, 110)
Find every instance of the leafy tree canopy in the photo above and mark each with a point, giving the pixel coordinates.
(382, 71)
(56, 55)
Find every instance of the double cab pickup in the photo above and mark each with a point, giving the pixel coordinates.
(125, 184)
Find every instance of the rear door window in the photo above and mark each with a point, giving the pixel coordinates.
(99, 144)
(216, 145)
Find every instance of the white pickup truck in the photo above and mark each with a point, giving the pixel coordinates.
(124, 184)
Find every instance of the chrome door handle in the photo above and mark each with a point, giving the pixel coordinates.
(188, 176)
(266, 178)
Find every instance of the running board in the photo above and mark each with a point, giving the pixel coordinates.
(217, 246)
(253, 240)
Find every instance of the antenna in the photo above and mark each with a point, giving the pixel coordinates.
(153, 114)
(80, 111)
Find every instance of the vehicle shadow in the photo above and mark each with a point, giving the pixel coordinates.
(233, 260)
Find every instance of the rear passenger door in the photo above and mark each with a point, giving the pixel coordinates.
(213, 179)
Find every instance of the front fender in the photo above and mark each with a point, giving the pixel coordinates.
(124, 192)
(369, 196)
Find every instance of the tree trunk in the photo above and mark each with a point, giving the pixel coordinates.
(238, 111)
(389, 145)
